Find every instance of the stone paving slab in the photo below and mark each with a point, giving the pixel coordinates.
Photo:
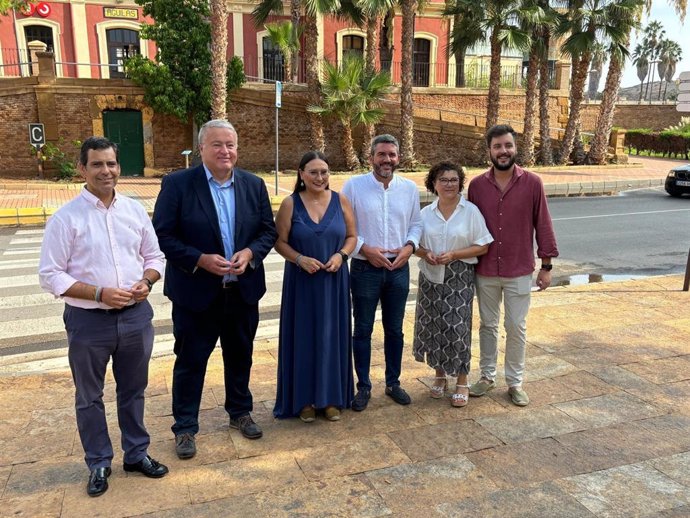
(606, 434)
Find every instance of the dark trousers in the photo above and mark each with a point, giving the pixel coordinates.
(196, 333)
(93, 338)
(369, 286)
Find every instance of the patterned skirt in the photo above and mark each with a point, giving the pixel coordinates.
(443, 320)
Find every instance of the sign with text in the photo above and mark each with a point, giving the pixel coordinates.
(116, 12)
(279, 94)
(683, 93)
(37, 136)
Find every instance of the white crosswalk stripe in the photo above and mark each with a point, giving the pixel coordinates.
(31, 327)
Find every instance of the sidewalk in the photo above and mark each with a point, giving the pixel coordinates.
(606, 433)
(31, 202)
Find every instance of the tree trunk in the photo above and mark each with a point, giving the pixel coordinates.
(459, 59)
(602, 129)
(219, 59)
(295, 17)
(317, 140)
(530, 109)
(370, 60)
(578, 154)
(407, 157)
(545, 153)
(351, 159)
(577, 87)
(494, 81)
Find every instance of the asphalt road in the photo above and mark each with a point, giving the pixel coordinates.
(637, 233)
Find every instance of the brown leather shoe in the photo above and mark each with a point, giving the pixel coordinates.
(247, 427)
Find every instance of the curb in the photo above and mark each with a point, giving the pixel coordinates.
(39, 215)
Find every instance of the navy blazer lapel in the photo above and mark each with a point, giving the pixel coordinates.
(203, 191)
(240, 199)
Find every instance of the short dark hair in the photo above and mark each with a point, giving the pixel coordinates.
(97, 143)
(498, 131)
(440, 168)
(384, 139)
(306, 158)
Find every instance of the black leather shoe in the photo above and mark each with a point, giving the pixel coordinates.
(398, 395)
(148, 466)
(98, 482)
(361, 400)
(247, 427)
(185, 445)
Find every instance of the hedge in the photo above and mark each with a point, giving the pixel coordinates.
(667, 143)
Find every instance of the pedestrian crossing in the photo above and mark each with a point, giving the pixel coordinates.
(32, 335)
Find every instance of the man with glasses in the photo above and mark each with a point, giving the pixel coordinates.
(389, 227)
(215, 225)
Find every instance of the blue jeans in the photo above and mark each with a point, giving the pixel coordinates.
(369, 286)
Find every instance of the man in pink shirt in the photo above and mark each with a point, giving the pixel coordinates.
(513, 203)
(100, 254)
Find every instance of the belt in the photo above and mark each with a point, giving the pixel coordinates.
(230, 285)
(113, 311)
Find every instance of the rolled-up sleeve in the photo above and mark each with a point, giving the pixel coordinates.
(55, 255)
(154, 259)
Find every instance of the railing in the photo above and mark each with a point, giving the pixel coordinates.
(16, 63)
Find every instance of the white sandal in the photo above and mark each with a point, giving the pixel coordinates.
(438, 391)
(459, 400)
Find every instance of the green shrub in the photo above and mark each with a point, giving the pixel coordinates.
(63, 161)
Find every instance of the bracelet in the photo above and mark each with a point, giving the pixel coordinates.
(297, 261)
(99, 292)
(148, 282)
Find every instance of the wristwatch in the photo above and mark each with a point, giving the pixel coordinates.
(547, 267)
(343, 255)
(148, 282)
(414, 248)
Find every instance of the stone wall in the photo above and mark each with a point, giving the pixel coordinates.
(655, 116)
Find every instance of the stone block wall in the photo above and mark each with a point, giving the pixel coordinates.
(653, 116)
(18, 109)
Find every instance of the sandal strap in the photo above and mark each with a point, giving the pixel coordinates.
(461, 397)
(461, 386)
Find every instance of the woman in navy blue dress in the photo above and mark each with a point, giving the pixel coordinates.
(316, 234)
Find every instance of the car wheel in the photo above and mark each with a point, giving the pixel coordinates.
(674, 193)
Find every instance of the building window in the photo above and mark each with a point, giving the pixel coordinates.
(122, 44)
(353, 45)
(421, 53)
(272, 61)
(39, 33)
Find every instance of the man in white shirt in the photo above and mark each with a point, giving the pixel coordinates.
(389, 227)
(100, 254)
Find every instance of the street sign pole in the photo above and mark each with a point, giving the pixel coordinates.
(37, 138)
(279, 102)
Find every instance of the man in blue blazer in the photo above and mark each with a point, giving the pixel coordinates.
(215, 225)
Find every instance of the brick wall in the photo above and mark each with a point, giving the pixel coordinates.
(170, 138)
(18, 109)
(634, 116)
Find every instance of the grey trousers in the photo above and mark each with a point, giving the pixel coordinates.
(93, 338)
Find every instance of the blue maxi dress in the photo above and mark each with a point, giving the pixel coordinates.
(315, 344)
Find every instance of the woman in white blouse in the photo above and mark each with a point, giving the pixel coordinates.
(454, 234)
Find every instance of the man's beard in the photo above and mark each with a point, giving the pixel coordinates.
(503, 167)
(377, 171)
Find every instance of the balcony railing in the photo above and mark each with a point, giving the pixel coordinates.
(17, 63)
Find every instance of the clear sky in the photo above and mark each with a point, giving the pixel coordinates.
(675, 31)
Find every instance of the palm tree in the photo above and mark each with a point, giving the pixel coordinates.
(407, 156)
(465, 34)
(268, 7)
(654, 33)
(373, 10)
(286, 37)
(674, 53)
(623, 16)
(539, 18)
(502, 21)
(599, 58)
(219, 59)
(352, 94)
(642, 65)
(586, 21)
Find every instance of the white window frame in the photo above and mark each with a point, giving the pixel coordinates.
(101, 29)
(23, 44)
(433, 57)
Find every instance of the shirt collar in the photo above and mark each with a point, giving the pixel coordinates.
(210, 178)
(517, 172)
(394, 180)
(461, 204)
(92, 199)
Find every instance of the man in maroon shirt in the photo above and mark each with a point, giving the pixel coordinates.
(513, 202)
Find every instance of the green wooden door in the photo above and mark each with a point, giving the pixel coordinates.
(124, 127)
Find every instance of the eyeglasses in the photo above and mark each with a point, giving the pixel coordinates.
(315, 173)
(449, 181)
